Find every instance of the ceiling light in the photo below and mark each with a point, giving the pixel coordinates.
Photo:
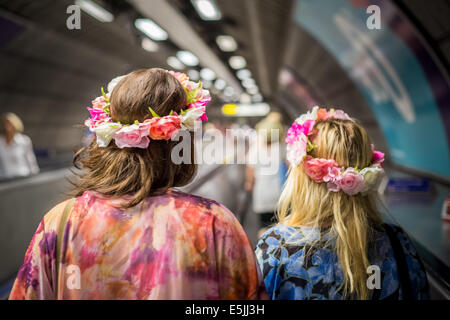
(229, 91)
(253, 90)
(226, 43)
(149, 45)
(237, 62)
(243, 74)
(245, 98)
(207, 9)
(151, 29)
(94, 10)
(175, 63)
(257, 98)
(188, 58)
(207, 74)
(220, 84)
(194, 75)
(248, 83)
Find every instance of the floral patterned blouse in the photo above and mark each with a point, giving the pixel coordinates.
(289, 275)
(172, 246)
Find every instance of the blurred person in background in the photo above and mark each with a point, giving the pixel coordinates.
(17, 158)
(265, 184)
(127, 234)
(330, 241)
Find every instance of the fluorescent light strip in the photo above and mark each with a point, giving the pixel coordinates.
(151, 29)
(188, 58)
(173, 62)
(95, 11)
(237, 62)
(149, 45)
(226, 43)
(207, 9)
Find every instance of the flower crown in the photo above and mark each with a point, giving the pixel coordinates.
(137, 135)
(349, 180)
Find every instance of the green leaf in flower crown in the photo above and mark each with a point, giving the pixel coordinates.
(136, 122)
(171, 112)
(193, 93)
(309, 147)
(154, 114)
(183, 112)
(104, 95)
(106, 109)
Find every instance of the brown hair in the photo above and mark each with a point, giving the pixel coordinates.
(136, 172)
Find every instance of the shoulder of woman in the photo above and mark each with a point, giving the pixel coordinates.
(22, 138)
(404, 239)
(53, 217)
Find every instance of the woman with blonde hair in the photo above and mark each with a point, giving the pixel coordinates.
(17, 158)
(128, 234)
(330, 241)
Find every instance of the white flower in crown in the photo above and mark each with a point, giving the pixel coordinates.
(372, 177)
(296, 151)
(113, 83)
(310, 115)
(190, 116)
(105, 132)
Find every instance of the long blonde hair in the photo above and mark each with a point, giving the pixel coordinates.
(351, 220)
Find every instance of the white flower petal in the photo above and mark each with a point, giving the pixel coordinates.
(113, 83)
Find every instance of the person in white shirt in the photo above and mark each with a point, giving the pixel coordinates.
(263, 175)
(17, 158)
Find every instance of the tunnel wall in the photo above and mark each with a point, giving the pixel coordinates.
(402, 82)
(23, 203)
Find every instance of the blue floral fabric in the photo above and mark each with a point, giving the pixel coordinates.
(289, 274)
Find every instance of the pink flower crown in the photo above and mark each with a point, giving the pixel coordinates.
(350, 180)
(157, 128)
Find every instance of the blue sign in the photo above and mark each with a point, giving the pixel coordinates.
(396, 73)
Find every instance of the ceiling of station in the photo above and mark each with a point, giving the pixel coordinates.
(48, 71)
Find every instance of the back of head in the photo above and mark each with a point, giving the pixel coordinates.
(136, 172)
(343, 206)
(12, 120)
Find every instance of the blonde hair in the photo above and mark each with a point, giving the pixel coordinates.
(14, 120)
(350, 220)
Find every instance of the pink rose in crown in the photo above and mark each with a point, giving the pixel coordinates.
(318, 169)
(297, 128)
(351, 181)
(331, 177)
(377, 156)
(133, 136)
(339, 114)
(293, 132)
(164, 128)
(97, 117)
(99, 102)
(183, 78)
(201, 104)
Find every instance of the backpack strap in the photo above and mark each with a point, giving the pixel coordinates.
(402, 265)
(60, 233)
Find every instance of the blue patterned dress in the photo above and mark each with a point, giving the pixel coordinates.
(289, 275)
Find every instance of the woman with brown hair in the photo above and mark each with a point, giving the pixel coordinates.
(127, 234)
